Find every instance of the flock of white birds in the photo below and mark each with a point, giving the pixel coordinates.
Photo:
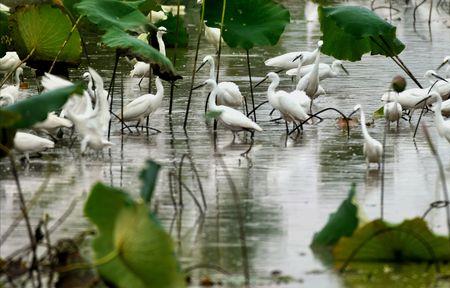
(89, 114)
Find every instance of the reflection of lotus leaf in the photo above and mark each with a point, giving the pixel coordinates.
(351, 31)
(145, 255)
(378, 241)
(248, 23)
(44, 28)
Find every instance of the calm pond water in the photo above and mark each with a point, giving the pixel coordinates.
(286, 189)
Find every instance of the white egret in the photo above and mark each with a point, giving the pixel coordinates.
(10, 93)
(145, 105)
(445, 62)
(101, 109)
(288, 104)
(212, 35)
(372, 148)
(28, 143)
(231, 118)
(411, 99)
(325, 70)
(286, 61)
(156, 16)
(174, 9)
(78, 105)
(440, 85)
(310, 81)
(141, 69)
(443, 126)
(392, 110)
(52, 124)
(228, 93)
(9, 62)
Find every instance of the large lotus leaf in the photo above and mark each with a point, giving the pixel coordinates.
(116, 38)
(341, 223)
(44, 28)
(148, 5)
(107, 14)
(171, 37)
(351, 31)
(35, 109)
(248, 23)
(7, 120)
(5, 39)
(145, 255)
(378, 241)
(148, 177)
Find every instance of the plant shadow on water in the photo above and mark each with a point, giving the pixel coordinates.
(285, 193)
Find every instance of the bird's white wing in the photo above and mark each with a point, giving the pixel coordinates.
(290, 105)
(284, 61)
(136, 107)
(235, 118)
(51, 82)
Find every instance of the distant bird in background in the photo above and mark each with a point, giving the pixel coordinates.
(28, 143)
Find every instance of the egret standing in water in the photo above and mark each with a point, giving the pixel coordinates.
(141, 69)
(9, 94)
(392, 110)
(9, 62)
(442, 125)
(440, 85)
(212, 35)
(291, 59)
(288, 104)
(231, 118)
(325, 70)
(372, 149)
(28, 143)
(228, 93)
(144, 106)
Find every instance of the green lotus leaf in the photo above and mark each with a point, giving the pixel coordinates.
(148, 177)
(171, 37)
(25, 113)
(142, 252)
(352, 31)
(379, 113)
(341, 223)
(44, 28)
(378, 241)
(107, 14)
(35, 109)
(116, 38)
(148, 5)
(248, 23)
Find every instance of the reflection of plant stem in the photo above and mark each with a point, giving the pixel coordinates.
(111, 91)
(65, 43)
(197, 203)
(49, 249)
(251, 86)
(23, 208)
(241, 218)
(194, 69)
(441, 172)
(383, 160)
(15, 68)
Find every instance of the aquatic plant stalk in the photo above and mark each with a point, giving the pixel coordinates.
(251, 86)
(65, 43)
(194, 69)
(111, 91)
(174, 59)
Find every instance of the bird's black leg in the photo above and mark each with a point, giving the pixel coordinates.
(252, 133)
(271, 112)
